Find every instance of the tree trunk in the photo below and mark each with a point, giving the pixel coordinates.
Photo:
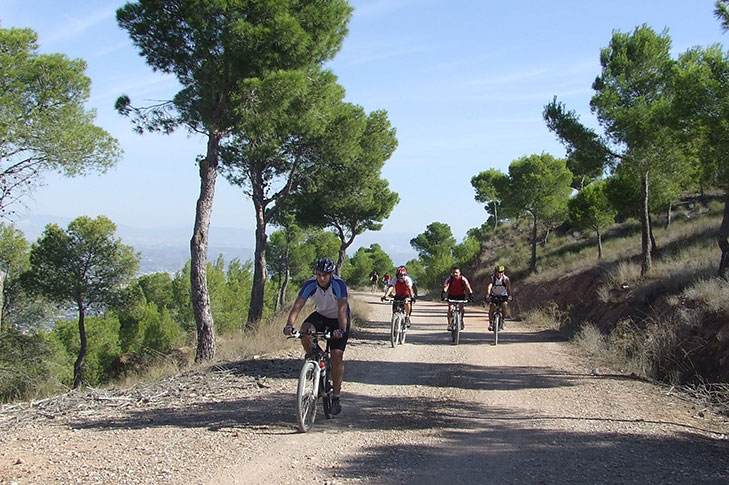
(496, 215)
(287, 271)
(340, 259)
(645, 230)
(546, 235)
(669, 213)
(599, 243)
(723, 240)
(199, 254)
(343, 249)
(2, 301)
(285, 286)
(277, 299)
(255, 311)
(78, 366)
(533, 263)
(652, 237)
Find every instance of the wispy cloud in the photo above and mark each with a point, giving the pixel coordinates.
(380, 52)
(73, 26)
(153, 84)
(104, 51)
(511, 78)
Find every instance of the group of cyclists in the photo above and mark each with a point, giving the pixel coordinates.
(331, 307)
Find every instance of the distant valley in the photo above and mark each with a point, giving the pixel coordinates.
(167, 249)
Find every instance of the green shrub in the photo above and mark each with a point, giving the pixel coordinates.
(158, 332)
(31, 365)
(102, 335)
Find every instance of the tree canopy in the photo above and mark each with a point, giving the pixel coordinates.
(539, 185)
(44, 125)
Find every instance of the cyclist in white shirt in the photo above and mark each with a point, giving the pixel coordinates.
(498, 291)
(331, 311)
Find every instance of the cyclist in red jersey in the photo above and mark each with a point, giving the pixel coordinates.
(402, 288)
(456, 287)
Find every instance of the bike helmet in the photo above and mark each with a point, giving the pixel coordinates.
(401, 272)
(324, 265)
(499, 268)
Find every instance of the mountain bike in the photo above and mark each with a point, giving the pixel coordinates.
(315, 381)
(498, 323)
(457, 325)
(398, 326)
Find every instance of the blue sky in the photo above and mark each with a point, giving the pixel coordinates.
(464, 83)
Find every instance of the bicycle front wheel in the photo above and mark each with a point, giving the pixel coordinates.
(497, 326)
(456, 332)
(403, 330)
(326, 387)
(306, 396)
(395, 329)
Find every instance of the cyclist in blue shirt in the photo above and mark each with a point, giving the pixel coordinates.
(331, 311)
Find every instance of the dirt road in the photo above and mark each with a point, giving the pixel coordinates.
(526, 411)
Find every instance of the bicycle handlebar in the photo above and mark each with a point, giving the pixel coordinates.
(299, 334)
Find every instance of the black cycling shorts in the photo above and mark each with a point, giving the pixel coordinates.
(322, 324)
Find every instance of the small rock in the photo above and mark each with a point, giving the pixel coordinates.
(19, 461)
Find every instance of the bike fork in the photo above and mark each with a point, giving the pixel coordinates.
(317, 379)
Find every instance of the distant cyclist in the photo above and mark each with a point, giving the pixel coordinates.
(386, 280)
(374, 278)
(331, 311)
(402, 288)
(456, 287)
(498, 291)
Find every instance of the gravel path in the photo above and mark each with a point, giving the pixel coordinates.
(526, 411)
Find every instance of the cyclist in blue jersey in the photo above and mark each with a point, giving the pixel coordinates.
(331, 311)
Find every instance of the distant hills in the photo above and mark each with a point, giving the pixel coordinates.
(167, 249)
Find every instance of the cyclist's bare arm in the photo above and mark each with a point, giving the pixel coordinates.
(342, 305)
(295, 310)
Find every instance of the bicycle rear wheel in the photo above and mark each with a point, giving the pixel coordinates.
(456, 332)
(306, 397)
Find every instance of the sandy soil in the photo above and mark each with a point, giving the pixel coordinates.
(530, 410)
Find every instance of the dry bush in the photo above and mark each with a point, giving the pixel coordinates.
(624, 274)
(706, 393)
(548, 317)
(711, 293)
(590, 339)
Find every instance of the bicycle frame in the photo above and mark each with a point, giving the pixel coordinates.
(498, 322)
(458, 306)
(397, 335)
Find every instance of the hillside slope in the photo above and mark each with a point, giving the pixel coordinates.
(675, 320)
